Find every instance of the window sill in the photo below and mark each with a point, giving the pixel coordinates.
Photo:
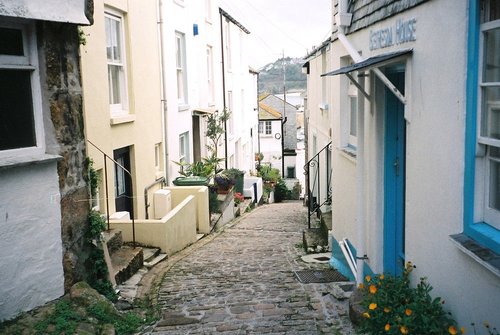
(484, 256)
(121, 119)
(7, 163)
(349, 153)
(183, 107)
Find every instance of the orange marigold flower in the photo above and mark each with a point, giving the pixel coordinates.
(404, 330)
(366, 315)
(372, 306)
(408, 312)
(382, 277)
(462, 330)
(373, 289)
(361, 286)
(387, 327)
(368, 278)
(452, 330)
(387, 309)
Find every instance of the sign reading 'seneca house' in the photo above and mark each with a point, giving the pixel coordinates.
(403, 31)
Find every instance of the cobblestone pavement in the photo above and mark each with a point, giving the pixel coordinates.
(242, 282)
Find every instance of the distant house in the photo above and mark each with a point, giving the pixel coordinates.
(415, 143)
(270, 135)
(271, 106)
(43, 189)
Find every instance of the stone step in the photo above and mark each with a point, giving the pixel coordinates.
(150, 253)
(151, 263)
(126, 261)
(114, 240)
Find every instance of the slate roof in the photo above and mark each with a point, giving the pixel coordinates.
(268, 113)
(367, 12)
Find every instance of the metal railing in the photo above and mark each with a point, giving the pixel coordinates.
(106, 189)
(313, 170)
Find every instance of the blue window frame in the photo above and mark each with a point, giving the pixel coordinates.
(480, 181)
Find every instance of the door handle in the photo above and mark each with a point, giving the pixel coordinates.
(396, 166)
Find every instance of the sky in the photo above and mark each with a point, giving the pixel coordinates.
(277, 27)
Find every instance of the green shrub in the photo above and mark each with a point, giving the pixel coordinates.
(281, 192)
(393, 307)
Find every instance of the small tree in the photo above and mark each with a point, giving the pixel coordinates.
(215, 129)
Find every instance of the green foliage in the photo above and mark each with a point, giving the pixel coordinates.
(393, 307)
(213, 203)
(268, 174)
(97, 274)
(124, 324)
(97, 225)
(64, 319)
(233, 173)
(281, 192)
(295, 192)
(93, 176)
(216, 128)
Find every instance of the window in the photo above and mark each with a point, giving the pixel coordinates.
(210, 75)
(180, 61)
(21, 127)
(350, 105)
(208, 10)
(115, 53)
(227, 56)
(482, 169)
(265, 127)
(230, 121)
(269, 127)
(489, 121)
(158, 160)
(184, 147)
(353, 114)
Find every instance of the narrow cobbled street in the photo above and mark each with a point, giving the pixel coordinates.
(243, 282)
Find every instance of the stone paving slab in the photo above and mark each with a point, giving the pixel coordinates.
(242, 282)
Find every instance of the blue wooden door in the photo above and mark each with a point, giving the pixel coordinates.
(394, 178)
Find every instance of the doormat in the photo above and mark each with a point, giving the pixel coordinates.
(319, 276)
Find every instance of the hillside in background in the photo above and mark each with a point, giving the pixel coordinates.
(271, 76)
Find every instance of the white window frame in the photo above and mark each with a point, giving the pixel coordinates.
(184, 147)
(208, 11)
(268, 128)
(27, 62)
(230, 121)
(210, 75)
(227, 56)
(482, 210)
(180, 65)
(261, 127)
(121, 108)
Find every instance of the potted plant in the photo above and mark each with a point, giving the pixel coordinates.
(224, 183)
(237, 175)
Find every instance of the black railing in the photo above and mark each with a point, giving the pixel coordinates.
(318, 170)
(106, 185)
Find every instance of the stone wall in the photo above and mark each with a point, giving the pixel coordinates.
(58, 45)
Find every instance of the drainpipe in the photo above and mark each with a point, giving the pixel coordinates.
(342, 20)
(223, 83)
(163, 64)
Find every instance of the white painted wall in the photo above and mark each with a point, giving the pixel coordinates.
(31, 271)
(270, 146)
(435, 163)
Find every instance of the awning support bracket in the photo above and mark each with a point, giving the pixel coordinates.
(360, 88)
(389, 85)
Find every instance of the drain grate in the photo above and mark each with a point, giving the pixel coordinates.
(319, 276)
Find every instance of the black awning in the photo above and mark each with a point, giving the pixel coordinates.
(369, 62)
